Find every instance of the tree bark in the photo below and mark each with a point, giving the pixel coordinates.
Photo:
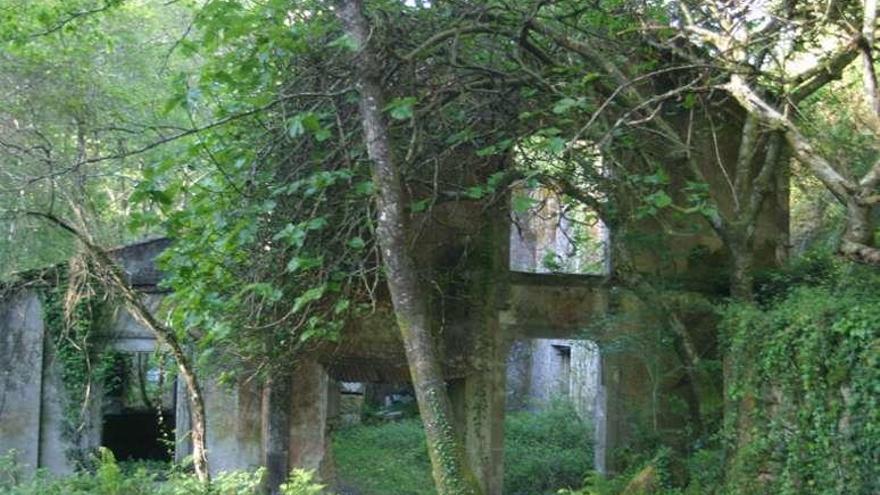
(450, 471)
(113, 276)
(742, 273)
(857, 242)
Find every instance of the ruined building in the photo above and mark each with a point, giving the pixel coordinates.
(527, 322)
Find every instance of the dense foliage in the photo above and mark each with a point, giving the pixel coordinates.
(544, 451)
(811, 362)
(109, 478)
(233, 128)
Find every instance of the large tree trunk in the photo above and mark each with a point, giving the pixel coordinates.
(112, 276)
(858, 238)
(859, 198)
(451, 474)
(742, 273)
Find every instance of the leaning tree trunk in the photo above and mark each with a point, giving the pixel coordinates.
(451, 473)
(858, 197)
(113, 277)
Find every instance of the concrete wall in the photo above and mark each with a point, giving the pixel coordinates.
(234, 424)
(56, 444)
(542, 370)
(21, 377)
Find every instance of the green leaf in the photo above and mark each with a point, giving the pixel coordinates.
(174, 102)
(590, 78)
(346, 41)
(475, 192)
(494, 180)
(364, 188)
(308, 296)
(316, 223)
(659, 199)
(263, 289)
(401, 108)
(488, 150)
(564, 105)
(322, 135)
(293, 235)
(310, 121)
(296, 128)
(419, 206)
(356, 243)
(521, 204)
(556, 144)
(341, 305)
(303, 263)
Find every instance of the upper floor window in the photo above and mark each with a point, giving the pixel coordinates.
(551, 233)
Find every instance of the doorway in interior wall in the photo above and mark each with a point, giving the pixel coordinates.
(138, 408)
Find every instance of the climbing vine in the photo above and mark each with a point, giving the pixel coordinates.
(809, 358)
(72, 311)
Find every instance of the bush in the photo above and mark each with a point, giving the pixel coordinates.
(110, 479)
(389, 458)
(544, 451)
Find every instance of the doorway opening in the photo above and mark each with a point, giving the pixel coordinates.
(138, 408)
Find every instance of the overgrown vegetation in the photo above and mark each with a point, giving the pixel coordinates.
(311, 170)
(810, 361)
(808, 366)
(544, 451)
(72, 305)
(109, 478)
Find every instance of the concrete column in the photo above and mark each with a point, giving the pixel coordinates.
(234, 424)
(478, 400)
(183, 446)
(478, 407)
(309, 436)
(276, 431)
(21, 365)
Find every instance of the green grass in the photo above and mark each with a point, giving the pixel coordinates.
(544, 452)
(389, 458)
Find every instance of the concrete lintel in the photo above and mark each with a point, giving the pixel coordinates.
(133, 345)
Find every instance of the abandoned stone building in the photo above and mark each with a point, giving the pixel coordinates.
(531, 335)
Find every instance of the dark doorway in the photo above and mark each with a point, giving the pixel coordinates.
(139, 435)
(564, 354)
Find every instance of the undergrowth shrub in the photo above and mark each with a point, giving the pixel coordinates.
(544, 451)
(661, 474)
(389, 458)
(110, 478)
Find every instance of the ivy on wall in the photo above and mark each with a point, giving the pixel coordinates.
(72, 320)
(809, 360)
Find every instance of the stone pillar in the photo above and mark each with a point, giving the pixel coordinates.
(334, 403)
(309, 438)
(600, 448)
(478, 402)
(55, 443)
(276, 431)
(21, 377)
(234, 425)
(183, 446)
